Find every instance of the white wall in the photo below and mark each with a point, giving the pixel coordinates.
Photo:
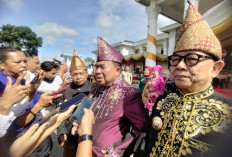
(126, 50)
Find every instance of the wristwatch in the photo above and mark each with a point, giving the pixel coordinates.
(85, 137)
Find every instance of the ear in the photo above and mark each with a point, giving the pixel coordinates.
(218, 65)
(1, 66)
(118, 69)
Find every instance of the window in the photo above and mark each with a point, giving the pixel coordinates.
(144, 49)
(136, 51)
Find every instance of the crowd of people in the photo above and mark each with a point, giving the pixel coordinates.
(179, 116)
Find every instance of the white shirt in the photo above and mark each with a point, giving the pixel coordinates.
(47, 87)
(15, 111)
(90, 71)
(127, 76)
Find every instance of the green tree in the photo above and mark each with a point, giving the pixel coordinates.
(20, 36)
(89, 60)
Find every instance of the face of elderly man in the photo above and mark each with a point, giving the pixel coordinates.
(198, 77)
(107, 72)
(79, 76)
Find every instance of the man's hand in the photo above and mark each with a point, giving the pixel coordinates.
(32, 138)
(56, 120)
(61, 139)
(34, 86)
(23, 145)
(60, 117)
(66, 80)
(63, 69)
(13, 93)
(46, 99)
(86, 124)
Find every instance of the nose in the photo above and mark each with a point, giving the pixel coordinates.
(23, 64)
(181, 64)
(78, 76)
(98, 71)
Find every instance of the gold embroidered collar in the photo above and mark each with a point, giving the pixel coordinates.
(197, 95)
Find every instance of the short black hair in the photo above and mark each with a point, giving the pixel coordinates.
(30, 54)
(48, 66)
(56, 61)
(117, 64)
(4, 50)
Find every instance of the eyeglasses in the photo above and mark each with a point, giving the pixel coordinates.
(190, 59)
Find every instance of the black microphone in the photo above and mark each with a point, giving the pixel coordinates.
(85, 103)
(63, 107)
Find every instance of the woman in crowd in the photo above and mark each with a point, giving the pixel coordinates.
(146, 76)
(154, 87)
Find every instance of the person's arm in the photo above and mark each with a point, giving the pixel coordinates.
(84, 148)
(24, 144)
(47, 87)
(63, 69)
(45, 100)
(34, 86)
(36, 135)
(13, 94)
(53, 124)
(56, 83)
(7, 120)
(62, 130)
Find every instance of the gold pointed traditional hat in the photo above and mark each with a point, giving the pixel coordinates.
(77, 62)
(196, 35)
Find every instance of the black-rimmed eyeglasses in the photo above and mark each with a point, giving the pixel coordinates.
(190, 59)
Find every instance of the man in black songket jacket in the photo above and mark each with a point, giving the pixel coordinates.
(195, 120)
(80, 84)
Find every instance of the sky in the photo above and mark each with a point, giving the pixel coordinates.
(66, 25)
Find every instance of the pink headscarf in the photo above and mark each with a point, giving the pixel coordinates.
(150, 70)
(157, 68)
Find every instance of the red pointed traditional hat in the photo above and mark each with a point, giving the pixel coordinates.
(107, 53)
(196, 35)
(77, 62)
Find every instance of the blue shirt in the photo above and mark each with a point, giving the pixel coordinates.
(3, 81)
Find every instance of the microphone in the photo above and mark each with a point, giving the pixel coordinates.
(85, 103)
(63, 107)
